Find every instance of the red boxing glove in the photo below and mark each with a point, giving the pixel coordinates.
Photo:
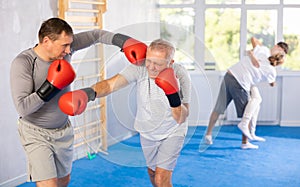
(74, 103)
(135, 51)
(167, 81)
(60, 75)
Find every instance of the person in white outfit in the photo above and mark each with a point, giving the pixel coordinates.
(258, 58)
(240, 78)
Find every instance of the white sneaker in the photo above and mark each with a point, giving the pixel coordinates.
(208, 140)
(249, 145)
(245, 130)
(257, 138)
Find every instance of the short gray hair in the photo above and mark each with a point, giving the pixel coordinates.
(163, 45)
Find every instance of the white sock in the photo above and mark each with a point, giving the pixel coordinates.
(257, 138)
(208, 140)
(249, 145)
(245, 129)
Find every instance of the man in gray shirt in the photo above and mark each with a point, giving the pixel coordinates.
(45, 131)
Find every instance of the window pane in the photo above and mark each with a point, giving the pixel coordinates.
(176, 1)
(291, 34)
(222, 37)
(223, 1)
(262, 24)
(291, 2)
(262, 1)
(177, 26)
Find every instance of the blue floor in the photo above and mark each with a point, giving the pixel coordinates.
(275, 164)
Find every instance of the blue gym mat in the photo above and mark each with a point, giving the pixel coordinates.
(276, 163)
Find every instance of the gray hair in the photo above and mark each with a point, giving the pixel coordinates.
(163, 45)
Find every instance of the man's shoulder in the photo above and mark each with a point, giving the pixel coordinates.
(26, 57)
(27, 53)
(132, 70)
(179, 67)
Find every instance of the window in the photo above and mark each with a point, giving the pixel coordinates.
(291, 35)
(177, 26)
(221, 38)
(217, 32)
(262, 24)
(223, 2)
(266, 2)
(176, 1)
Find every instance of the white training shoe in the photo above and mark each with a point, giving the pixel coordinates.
(245, 130)
(249, 145)
(208, 140)
(257, 138)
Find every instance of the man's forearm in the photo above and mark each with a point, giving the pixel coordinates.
(180, 113)
(106, 87)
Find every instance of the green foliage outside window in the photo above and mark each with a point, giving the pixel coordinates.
(222, 34)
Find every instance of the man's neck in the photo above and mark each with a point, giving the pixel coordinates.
(40, 52)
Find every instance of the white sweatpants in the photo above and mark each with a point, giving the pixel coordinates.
(252, 109)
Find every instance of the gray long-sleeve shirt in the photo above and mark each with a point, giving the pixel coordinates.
(28, 72)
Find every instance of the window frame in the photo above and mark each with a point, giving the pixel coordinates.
(199, 22)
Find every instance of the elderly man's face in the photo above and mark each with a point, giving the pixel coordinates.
(156, 62)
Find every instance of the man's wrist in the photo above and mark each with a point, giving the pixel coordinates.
(174, 99)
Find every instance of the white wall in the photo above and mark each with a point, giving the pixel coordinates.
(20, 21)
(290, 102)
(205, 87)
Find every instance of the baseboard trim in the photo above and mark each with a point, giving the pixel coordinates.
(15, 181)
(290, 123)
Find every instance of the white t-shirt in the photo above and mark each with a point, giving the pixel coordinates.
(154, 119)
(247, 74)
